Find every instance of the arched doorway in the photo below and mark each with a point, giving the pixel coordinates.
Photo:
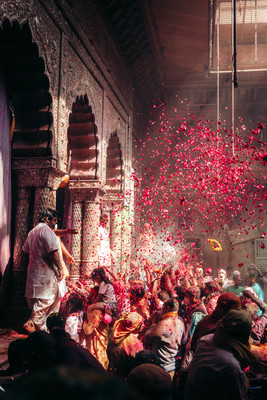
(28, 91)
(30, 135)
(113, 201)
(83, 141)
(114, 167)
(85, 188)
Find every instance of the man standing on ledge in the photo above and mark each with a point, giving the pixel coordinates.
(44, 271)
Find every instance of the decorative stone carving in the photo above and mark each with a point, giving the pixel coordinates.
(37, 162)
(114, 122)
(79, 81)
(63, 112)
(14, 11)
(47, 36)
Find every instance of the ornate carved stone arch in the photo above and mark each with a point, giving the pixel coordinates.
(35, 175)
(83, 141)
(114, 166)
(28, 91)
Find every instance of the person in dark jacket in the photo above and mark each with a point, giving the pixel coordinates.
(69, 352)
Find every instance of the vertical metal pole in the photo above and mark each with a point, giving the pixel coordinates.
(234, 44)
(234, 75)
(256, 33)
(218, 67)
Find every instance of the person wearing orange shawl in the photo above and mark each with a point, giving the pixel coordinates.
(124, 343)
(165, 339)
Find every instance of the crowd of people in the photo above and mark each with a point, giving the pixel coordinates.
(168, 333)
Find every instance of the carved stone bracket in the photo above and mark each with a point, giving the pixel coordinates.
(37, 172)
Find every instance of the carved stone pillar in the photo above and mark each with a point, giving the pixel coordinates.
(21, 227)
(116, 231)
(17, 301)
(76, 240)
(90, 235)
(86, 198)
(43, 198)
(126, 237)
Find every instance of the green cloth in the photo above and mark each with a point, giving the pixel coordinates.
(234, 290)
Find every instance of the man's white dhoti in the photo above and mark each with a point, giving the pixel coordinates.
(41, 309)
(43, 290)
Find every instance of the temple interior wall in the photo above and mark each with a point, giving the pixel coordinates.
(81, 58)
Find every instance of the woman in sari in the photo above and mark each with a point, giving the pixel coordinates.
(124, 343)
(96, 329)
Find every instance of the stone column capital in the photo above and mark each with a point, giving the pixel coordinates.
(111, 203)
(87, 191)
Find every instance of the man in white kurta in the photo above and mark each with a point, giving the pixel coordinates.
(106, 257)
(44, 270)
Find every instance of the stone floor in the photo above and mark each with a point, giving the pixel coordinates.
(6, 337)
